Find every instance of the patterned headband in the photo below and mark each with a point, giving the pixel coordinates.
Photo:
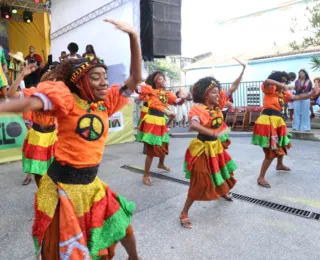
(81, 67)
(211, 86)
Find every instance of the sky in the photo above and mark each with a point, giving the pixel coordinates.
(202, 33)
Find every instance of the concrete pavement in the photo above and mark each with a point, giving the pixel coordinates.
(221, 230)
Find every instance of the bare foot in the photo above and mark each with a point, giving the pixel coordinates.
(281, 167)
(163, 167)
(264, 183)
(185, 221)
(147, 181)
(227, 197)
(26, 181)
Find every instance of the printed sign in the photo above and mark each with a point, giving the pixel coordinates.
(12, 131)
(116, 122)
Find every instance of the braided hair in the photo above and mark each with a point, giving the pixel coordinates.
(200, 87)
(152, 78)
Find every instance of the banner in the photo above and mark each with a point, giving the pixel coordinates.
(121, 126)
(12, 134)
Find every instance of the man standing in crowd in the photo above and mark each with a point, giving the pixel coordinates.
(34, 78)
(63, 56)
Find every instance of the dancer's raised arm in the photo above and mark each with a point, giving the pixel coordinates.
(12, 92)
(236, 83)
(135, 65)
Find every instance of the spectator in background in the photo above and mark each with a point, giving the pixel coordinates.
(63, 56)
(73, 49)
(301, 120)
(34, 78)
(182, 112)
(15, 66)
(3, 71)
(90, 53)
(315, 100)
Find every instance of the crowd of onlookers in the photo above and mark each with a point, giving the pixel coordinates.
(300, 112)
(10, 71)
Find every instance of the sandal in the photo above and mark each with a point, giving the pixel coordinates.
(26, 181)
(265, 185)
(227, 197)
(147, 181)
(163, 167)
(283, 168)
(185, 222)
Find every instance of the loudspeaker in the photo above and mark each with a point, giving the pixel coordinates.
(50, 59)
(160, 28)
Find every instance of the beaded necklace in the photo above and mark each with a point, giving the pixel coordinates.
(93, 106)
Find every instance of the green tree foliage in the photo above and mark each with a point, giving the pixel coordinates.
(314, 29)
(171, 70)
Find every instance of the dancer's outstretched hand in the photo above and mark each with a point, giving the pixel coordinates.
(123, 26)
(223, 132)
(243, 63)
(28, 69)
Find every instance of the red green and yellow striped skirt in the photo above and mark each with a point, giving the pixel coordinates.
(38, 151)
(271, 132)
(153, 130)
(92, 217)
(209, 160)
(224, 139)
(144, 110)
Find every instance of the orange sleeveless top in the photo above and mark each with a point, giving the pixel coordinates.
(273, 99)
(158, 99)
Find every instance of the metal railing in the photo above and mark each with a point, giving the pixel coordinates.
(248, 94)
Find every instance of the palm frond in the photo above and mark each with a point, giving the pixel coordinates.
(315, 63)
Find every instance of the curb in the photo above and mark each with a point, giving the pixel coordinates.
(309, 136)
(306, 136)
(191, 135)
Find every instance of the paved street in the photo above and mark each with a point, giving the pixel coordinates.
(221, 230)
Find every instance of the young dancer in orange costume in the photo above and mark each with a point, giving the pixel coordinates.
(77, 216)
(207, 164)
(270, 130)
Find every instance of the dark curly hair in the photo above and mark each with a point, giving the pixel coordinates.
(292, 76)
(62, 72)
(200, 87)
(73, 47)
(150, 79)
(280, 76)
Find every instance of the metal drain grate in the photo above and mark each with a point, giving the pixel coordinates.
(154, 175)
(285, 209)
(315, 216)
(275, 206)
